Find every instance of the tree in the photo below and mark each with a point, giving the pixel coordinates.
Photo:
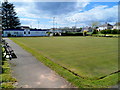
(94, 24)
(95, 32)
(104, 32)
(9, 18)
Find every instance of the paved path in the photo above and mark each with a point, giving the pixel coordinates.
(116, 86)
(31, 73)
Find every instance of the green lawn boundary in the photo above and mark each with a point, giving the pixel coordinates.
(76, 81)
(6, 78)
(107, 35)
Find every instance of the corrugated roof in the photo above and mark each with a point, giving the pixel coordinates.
(13, 30)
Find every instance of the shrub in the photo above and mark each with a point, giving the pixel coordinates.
(114, 31)
(95, 32)
(7, 78)
(108, 31)
(103, 31)
(6, 70)
(72, 34)
(7, 85)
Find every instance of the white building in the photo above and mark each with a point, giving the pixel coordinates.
(116, 26)
(24, 32)
(105, 26)
(38, 32)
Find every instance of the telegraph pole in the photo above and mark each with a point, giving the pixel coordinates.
(75, 25)
(38, 24)
(56, 25)
(53, 23)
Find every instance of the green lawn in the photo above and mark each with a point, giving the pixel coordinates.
(89, 57)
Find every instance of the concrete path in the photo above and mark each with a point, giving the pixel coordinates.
(31, 73)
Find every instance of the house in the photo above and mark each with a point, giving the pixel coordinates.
(116, 26)
(105, 26)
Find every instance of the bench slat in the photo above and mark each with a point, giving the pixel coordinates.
(8, 50)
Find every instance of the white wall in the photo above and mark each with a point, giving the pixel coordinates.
(116, 27)
(38, 33)
(101, 28)
(13, 33)
(25, 33)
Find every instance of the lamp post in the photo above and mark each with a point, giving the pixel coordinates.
(75, 24)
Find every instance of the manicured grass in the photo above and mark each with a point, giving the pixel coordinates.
(6, 77)
(89, 57)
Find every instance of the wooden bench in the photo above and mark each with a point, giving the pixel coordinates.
(8, 52)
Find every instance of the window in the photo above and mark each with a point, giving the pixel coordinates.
(29, 32)
(24, 32)
(15, 32)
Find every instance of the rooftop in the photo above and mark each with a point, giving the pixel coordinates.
(105, 25)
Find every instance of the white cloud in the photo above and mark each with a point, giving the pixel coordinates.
(28, 11)
(99, 13)
(82, 3)
(63, 0)
(27, 19)
(24, 11)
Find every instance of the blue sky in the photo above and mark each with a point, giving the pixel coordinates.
(67, 14)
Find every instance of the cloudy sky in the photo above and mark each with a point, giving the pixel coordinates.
(39, 14)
